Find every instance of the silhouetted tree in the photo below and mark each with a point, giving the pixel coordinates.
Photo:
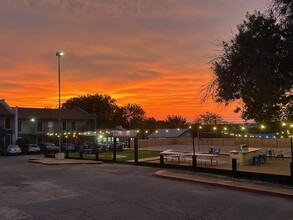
(104, 106)
(176, 121)
(134, 115)
(209, 118)
(255, 67)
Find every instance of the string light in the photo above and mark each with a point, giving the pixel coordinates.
(221, 129)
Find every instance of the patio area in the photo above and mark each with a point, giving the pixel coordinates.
(279, 166)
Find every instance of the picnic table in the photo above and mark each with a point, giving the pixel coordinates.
(187, 156)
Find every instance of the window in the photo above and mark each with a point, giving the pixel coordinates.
(73, 126)
(40, 126)
(19, 126)
(7, 123)
(64, 126)
(50, 126)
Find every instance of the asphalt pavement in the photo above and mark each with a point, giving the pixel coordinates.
(198, 178)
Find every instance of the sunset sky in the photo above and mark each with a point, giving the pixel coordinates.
(154, 53)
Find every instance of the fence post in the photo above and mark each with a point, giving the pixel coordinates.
(234, 167)
(45, 152)
(81, 150)
(136, 150)
(162, 160)
(291, 164)
(194, 164)
(114, 150)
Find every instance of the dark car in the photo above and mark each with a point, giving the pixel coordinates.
(48, 147)
(102, 147)
(119, 146)
(68, 147)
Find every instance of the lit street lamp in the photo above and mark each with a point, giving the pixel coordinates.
(59, 54)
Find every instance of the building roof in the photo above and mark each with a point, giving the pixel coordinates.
(167, 133)
(5, 109)
(52, 114)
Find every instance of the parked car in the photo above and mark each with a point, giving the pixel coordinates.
(33, 148)
(119, 146)
(48, 147)
(103, 147)
(11, 150)
(68, 147)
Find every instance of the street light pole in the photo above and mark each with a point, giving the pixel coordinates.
(291, 146)
(198, 137)
(59, 54)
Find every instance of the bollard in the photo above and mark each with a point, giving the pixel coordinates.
(194, 164)
(66, 154)
(97, 155)
(162, 160)
(80, 155)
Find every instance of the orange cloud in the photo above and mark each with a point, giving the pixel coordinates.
(154, 53)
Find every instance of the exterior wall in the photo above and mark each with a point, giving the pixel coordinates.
(251, 142)
(29, 129)
(6, 135)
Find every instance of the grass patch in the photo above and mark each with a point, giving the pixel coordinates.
(120, 156)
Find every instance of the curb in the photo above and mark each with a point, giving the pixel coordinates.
(169, 175)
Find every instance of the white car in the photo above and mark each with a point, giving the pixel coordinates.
(33, 148)
(12, 150)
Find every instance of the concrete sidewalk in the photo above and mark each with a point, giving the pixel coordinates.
(53, 161)
(228, 182)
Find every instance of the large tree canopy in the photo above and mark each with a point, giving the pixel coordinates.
(253, 67)
(102, 105)
(108, 113)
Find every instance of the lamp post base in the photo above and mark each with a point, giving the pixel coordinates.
(60, 156)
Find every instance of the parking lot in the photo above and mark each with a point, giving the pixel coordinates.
(111, 191)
